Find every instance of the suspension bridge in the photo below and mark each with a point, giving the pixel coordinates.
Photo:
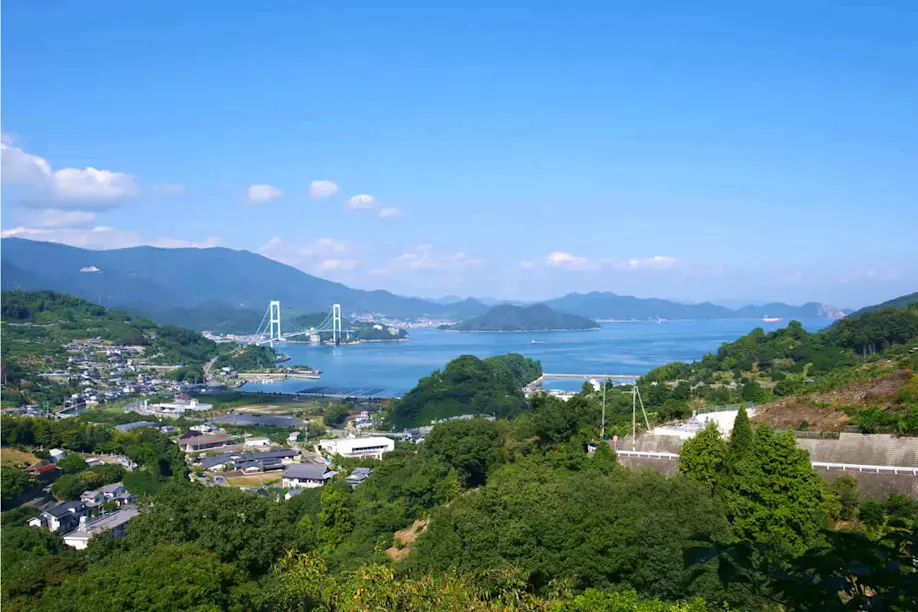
(269, 330)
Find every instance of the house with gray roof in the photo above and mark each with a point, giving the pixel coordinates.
(62, 517)
(358, 475)
(251, 461)
(306, 475)
(113, 523)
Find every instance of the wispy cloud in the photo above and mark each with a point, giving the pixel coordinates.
(361, 201)
(102, 237)
(316, 256)
(54, 217)
(389, 213)
(559, 259)
(425, 257)
(262, 194)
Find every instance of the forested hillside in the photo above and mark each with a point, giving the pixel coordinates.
(506, 515)
(468, 385)
(873, 349)
(509, 318)
(38, 326)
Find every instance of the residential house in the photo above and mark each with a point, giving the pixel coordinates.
(63, 517)
(56, 455)
(114, 523)
(306, 476)
(46, 474)
(251, 462)
(136, 425)
(200, 443)
(292, 493)
(358, 475)
(114, 493)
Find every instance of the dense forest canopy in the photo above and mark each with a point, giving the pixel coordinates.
(468, 385)
(510, 514)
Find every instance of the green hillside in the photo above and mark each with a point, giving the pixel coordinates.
(510, 318)
(38, 325)
(861, 367)
(900, 302)
(468, 385)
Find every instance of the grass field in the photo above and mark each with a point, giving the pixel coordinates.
(10, 457)
(250, 480)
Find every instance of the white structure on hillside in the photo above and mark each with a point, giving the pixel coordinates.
(258, 442)
(723, 419)
(373, 446)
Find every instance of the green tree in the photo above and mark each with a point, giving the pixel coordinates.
(702, 456)
(871, 513)
(845, 488)
(472, 446)
(169, 577)
(336, 519)
(778, 499)
(71, 464)
(14, 483)
(740, 442)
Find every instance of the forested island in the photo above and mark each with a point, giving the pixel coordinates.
(510, 318)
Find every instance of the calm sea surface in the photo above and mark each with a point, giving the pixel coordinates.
(617, 348)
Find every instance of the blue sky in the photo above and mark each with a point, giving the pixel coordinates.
(704, 150)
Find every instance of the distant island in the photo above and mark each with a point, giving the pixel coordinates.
(509, 318)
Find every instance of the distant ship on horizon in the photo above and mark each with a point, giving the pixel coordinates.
(767, 319)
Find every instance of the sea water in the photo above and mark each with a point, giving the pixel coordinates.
(616, 348)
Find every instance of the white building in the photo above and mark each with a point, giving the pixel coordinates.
(258, 442)
(373, 446)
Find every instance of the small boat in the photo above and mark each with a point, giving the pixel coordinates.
(536, 342)
(767, 319)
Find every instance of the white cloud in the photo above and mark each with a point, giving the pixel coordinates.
(361, 201)
(329, 265)
(424, 257)
(102, 237)
(558, 259)
(525, 265)
(658, 262)
(168, 188)
(53, 217)
(389, 213)
(320, 255)
(321, 189)
(89, 269)
(262, 194)
(65, 187)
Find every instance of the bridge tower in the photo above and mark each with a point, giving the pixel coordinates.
(274, 314)
(336, 324)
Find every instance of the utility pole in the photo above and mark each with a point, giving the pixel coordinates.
(602, 428)
(634, 418)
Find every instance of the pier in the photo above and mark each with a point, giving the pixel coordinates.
(537, 383)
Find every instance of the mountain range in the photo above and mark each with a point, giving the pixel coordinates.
(192, 287)
(510, 318)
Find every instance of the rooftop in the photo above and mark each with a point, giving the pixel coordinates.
(308, 471)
